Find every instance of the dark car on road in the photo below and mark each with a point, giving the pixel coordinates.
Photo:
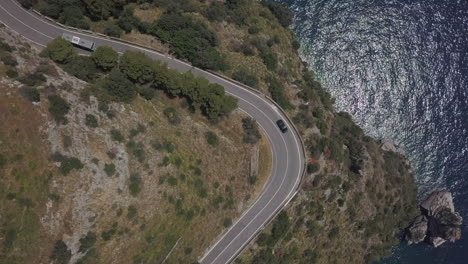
(282, 126)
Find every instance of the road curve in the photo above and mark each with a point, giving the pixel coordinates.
(288, 157)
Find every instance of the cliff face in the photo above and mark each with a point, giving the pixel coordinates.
(438, 221)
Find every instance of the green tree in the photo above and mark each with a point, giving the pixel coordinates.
(137, 66)
(113, 31)
(59, 50)
(118, 86)
(73, 16)
(105, 58)
(82, 67)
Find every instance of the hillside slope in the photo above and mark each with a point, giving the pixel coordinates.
(88, 181)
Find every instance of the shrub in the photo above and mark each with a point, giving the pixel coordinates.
(211, 138)
(210, 59)
(227, 222)
(8, 60)
(253, 30)
(3, 161)
(113, 31)
(277, 93)
(60, 254)
(137, 150)
(11, 73)
(58, 107)
(67, 141)
(280, 226)
(87, 242)
(172, 115)
(30, 93)
(246, 78)
(132, 212)
(105, 58)
(67, 164)
(91, 121)
(247, 50)
(296, 45)
(116, 135)
(273, 40)
(251, 133)
(134, 186)
(59, 50)
(5, 47)
(146, 92)
(216, 11)
(253, 179)
(109, 169)
(280, 11)
(127, 21)
(107, 235)
(33, 79)
(269, 58)
(313, 168)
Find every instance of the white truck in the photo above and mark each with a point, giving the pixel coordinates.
(80, 42)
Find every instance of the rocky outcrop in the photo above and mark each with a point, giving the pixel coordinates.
(438, 221)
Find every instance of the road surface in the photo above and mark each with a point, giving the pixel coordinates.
(288, 159)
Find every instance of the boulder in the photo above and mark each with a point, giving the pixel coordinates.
(437, 200)
(438, 221)
(416, 232)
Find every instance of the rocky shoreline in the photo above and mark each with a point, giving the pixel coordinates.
(438, 222)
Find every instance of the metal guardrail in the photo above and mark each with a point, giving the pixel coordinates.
(296, 131)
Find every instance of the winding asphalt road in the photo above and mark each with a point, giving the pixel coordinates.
(288, 158)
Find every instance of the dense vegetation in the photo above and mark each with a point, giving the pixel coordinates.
(117, 83)
(189, 37)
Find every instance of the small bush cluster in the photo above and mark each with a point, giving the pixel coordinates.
(8, 60)
(33, 79)
(58, 107)
(61, 253)
(67, 164)
(251, 133)
(172, 115)
(116, 135)
(31, 93)
(246, 78)
(277, 93)
(135, 184)
(211, 138)
(91, 121)
(109, 169)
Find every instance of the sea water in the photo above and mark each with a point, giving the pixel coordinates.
(400, 67)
